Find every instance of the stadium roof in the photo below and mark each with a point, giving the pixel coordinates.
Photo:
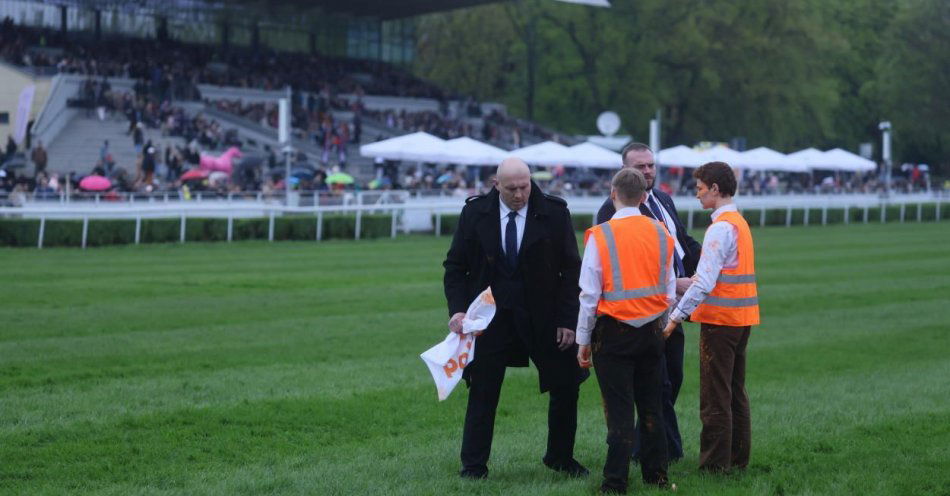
(381, 9)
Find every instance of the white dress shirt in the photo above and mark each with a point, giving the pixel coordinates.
(668, 220)
(720, 251)
(519, 222)
(591, 282)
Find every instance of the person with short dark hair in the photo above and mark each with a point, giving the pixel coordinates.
(723, 298)
(627, 285)
(659, 205)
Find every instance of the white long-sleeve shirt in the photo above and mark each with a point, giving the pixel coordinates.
(720, 251)
(591, 283)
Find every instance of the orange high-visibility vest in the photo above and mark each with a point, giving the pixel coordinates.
(734, 300)
(635, 256)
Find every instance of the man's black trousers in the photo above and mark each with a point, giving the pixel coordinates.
(671, 367)
(627, 362)
(486, 374)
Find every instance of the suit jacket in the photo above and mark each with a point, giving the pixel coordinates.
(691, 247)
(548, 263)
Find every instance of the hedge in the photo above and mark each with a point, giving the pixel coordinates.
(24, 232)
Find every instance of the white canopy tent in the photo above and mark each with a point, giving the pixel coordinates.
(720, 154)
(588, 154)
(812, 158)
(545, 153)
(419, 147)
(680, 156)
(844, 160)
(767, 159)
(467, 151)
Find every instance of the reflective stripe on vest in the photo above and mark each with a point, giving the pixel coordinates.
(734, 299)
(636, 305)
(616, 275)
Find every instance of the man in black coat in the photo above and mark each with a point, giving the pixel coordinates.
(659, 204)
(520, 242)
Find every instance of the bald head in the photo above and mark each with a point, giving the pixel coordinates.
(513, 182)
(513, 167)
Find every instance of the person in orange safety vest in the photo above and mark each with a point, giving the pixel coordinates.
(627, 285)
(723, 298)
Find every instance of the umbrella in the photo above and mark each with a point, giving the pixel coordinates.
(339, 178)
(95, 183)
(444, 178)
(193, 174)
(542, 175)
(303, 173)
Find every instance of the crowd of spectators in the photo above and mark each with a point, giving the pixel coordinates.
(177, 67)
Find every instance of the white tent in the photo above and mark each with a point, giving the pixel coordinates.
(546, 153)
(680, 156)
(764, 158)
(590, 155)
(466, 151)
(812, 158)
(419, 147)
(720, 154)
(846, 161)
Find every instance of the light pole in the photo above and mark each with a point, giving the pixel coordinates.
(885, 127)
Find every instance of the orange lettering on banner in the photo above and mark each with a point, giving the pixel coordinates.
(463, 360)
(450, 368)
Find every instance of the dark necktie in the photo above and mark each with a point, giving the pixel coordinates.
(511, 240)
(658, 215)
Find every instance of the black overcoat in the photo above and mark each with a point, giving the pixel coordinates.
(549, 263)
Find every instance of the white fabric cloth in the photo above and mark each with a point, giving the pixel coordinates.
(668, 221)
(591, 282)
(448, 359)
(519, 222)
(720, 251)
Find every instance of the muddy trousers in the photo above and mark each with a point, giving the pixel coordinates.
(726, 437)
(627, 361)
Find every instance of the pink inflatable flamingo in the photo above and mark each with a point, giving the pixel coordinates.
(222, 163)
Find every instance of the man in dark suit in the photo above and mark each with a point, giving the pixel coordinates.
(659, 206)
(520, 242)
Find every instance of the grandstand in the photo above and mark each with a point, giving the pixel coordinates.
(183, 70)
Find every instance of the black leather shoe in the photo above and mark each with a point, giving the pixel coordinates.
(474, 474)
(572, 468)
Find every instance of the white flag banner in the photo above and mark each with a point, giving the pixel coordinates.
(448, 359)
(23, 112)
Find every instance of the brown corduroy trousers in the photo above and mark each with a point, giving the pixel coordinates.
(726, 438)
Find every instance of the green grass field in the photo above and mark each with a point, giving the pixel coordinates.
(292, 368)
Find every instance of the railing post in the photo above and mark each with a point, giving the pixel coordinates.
(920, 212)
(85, 230)
(230, 227)
(438, 223)
(788, 217)
(392, 228)
(903, 208)
(181, 234)
(807, 212)
(865, 213)
(270, 227)
(883, 213)
(39, 237)
(138, 228)
(761, 217)
(937, 214)
(359, 219)
(846, 219)
(824, 215)
(689, 219)
(319, 226)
